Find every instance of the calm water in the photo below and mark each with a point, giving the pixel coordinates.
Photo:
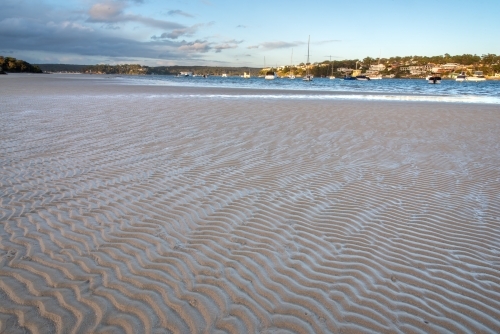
(385, 89)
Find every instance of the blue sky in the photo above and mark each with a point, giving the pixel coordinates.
(242, 33)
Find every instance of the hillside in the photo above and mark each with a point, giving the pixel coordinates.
(9, 64)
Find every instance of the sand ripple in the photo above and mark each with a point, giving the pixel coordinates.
(134, 214)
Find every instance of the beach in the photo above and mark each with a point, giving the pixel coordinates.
(163, 209)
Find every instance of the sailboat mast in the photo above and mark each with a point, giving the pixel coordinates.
(307, 63)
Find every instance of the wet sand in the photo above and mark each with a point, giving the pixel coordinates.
(154, 209)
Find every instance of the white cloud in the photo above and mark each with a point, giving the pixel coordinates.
(188, 31)
(275, 45)
(179, 12)
(220, 47)
(196, 46)
(112, 12)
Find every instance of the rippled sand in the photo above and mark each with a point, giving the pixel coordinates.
(171, 210)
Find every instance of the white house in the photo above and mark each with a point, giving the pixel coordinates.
(450, 66)
(344, 69)
(378, 67)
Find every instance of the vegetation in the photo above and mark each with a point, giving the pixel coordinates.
(62, 68)
(488, 63)
(203, 70)
(132, 69)
(9, 64)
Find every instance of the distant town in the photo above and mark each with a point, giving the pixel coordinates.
(446, 66)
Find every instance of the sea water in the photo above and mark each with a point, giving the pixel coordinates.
(487, 92)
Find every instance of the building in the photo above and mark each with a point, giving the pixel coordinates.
(372, 72)
(450, 66)
(378, 67)
(344, 70)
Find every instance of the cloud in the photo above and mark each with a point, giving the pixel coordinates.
(188, 31)
(106, 12)
(179, 12)
(275, 45)
(43, 31)
(196, 46)
(110, 26)
(233, 41)
(71, 38)
(240, 26)
(218, 48)
(326, 41)
(112, 12)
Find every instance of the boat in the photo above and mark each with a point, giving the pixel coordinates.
(461, 77)
(308, 76)
(224, 75)
(186, 74)
(354, 74)
(433, 79)
(349, 77)
(362, 78)
(376, 76)
(357, 73)
(270, 75)
(331, 77)
(477, 76)
(291, 75)
(246, 75)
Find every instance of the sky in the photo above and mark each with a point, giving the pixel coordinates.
(242, 33)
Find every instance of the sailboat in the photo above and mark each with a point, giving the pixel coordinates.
(270, 75)
(377, 76)
(331, 76)
(308, 76)
(291, 75)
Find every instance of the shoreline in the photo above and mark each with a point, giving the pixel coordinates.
(250, 92)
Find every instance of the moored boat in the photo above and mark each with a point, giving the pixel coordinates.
(478, 76)
(433, 79)
(291, 75)
(270, 75)
(362, 78)
(331, 77)
(308, 76)
(461, 77)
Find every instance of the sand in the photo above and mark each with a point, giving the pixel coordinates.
(154, 209)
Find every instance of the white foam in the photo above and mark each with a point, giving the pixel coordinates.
(367, 97)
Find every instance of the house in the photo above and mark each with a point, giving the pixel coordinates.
(450, 66)
(378, 67)
(344, 70)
